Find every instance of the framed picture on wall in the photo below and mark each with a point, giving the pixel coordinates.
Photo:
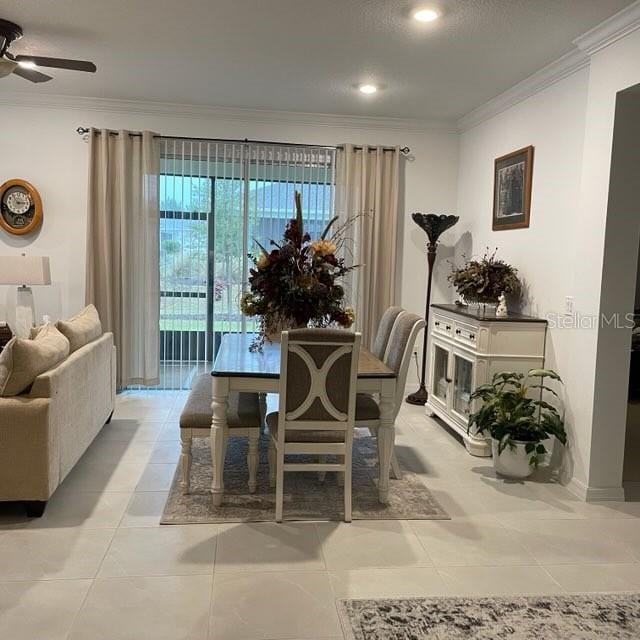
(512, 190)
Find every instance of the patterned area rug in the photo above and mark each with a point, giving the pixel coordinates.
(306, 498)
(570, 617)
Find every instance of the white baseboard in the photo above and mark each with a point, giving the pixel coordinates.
(595, 494)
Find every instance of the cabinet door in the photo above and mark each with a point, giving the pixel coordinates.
(440, 373)
(463, 385)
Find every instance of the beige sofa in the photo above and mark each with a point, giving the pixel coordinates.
(46, 430)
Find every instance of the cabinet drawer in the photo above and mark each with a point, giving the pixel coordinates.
(442, 326)
(466, 334)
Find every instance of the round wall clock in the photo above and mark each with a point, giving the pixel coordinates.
(20, 207)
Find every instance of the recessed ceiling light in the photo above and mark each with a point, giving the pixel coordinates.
(425, 15)
(27, 64)
(367, 88)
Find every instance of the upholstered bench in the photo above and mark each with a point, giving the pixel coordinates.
(245, 416)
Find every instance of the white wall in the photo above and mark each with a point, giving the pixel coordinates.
(39, 144)
(582, 242)
(553, 122)
(607, 254)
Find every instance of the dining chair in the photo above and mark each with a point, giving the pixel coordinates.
(397, 357)
(385, 325)
(318, 373)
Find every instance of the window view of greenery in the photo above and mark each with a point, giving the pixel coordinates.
(205, 232)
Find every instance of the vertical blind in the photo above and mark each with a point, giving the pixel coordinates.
(216, 200)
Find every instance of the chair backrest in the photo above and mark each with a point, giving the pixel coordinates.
(398, 354)
(384, 331)
(318, 372)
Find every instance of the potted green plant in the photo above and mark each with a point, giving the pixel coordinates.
(518, 419)
(483, 281)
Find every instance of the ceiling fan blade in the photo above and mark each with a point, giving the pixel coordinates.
(59, 63)
(31, 74)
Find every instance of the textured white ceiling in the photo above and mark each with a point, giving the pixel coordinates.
(301, 55)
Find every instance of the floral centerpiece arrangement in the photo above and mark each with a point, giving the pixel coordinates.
(482, 281)
(296, 283)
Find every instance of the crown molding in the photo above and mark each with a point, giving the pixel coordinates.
(594, 40)
(536, 82)
(265, 116)
(611, 30)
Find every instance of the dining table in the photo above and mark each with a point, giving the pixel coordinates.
(237, 367)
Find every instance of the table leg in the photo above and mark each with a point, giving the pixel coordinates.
(185, 459)
(219, 406)
(386, 438)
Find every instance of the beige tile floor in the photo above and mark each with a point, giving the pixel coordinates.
(99, 566)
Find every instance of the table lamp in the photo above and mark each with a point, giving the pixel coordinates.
(24, 270)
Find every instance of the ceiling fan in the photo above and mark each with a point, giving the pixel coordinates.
(24, 65)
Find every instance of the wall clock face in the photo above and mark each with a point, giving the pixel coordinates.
(20, 207)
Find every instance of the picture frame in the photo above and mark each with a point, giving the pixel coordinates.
(512, 180)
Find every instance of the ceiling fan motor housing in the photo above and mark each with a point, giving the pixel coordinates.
(9, 32)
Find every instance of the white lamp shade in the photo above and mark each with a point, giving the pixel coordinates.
(24, 270)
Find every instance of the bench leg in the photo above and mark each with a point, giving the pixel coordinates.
(340, 474)
(252, 459)
(322, 474)
(279, 484)
(185, 461)
(272, 463)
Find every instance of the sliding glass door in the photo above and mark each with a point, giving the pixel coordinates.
(216, 201)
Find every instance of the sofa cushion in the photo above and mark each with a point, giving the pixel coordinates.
(22, 361)
(82, 328)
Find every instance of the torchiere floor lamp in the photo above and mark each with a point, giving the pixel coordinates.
(434, 226)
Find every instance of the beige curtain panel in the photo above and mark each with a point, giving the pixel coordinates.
(367, 191)
(123, 280)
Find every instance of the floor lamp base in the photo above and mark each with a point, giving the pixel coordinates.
(419, 397)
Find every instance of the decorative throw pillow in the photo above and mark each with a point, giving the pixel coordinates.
(82, 328)
(23, 360)
(34, 331)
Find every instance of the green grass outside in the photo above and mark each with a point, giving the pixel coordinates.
(224, 326)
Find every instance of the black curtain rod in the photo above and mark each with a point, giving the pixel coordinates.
(404, 150)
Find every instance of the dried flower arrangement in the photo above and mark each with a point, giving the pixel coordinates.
(296, 283)
(482, 281)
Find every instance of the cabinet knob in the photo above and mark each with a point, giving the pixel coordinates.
(472, 336)
(448, 327)
(458, 332)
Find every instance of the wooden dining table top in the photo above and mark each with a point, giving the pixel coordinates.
(234, 359)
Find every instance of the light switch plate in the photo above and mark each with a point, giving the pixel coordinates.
(568, 305)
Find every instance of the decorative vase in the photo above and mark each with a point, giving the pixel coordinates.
(487, 309)
(512, 463)
(275, 336)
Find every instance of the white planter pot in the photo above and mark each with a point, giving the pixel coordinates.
(512, 463)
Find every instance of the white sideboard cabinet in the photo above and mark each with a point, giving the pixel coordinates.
(466, 348)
